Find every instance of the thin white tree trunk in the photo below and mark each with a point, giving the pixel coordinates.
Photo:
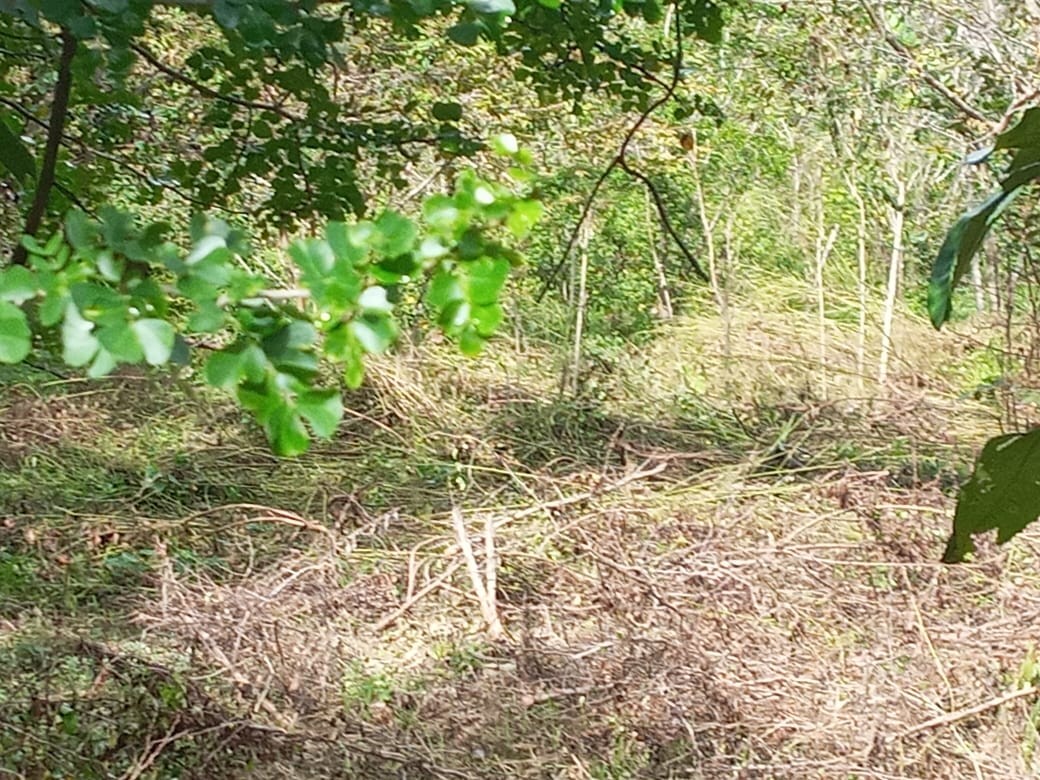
(824, 246)
(729, 257)
(977, 287)
(664, 297)
(707, 226)
(897, 218)
(580, 304)
(861, 277)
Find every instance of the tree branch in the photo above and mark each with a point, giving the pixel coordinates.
(931, 80)
(209, 92)
(662, 211)
(619, 161)
(55, 130)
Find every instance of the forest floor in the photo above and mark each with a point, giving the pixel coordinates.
(710, 565)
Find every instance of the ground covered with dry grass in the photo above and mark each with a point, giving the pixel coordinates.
(722, 563)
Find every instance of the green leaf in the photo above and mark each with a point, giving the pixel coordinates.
(110, 266)
(104, 364)
(180, 355)
(523, 217)
(470, 342)
(286, 433)
(224, 369)
(323, 409)
(956, 253)
(347, 242)
(505, 144)
(354, 370)
(79, 346)
(486, 319)
(398, 233)
(156, 338)
(15, 336)
(467, 33)
(205, 247)
(964, 240)
(80, 230)
(16, 157)
(120, 340)
(1003, 493)
(374, 300)
(444, 288)
(485, 280)
(374, 334)
(17, 284)
(286, 344)
(492, 6)
(1025, 133)
(227, 13)
(342, 346)
(208, 318)
(314, 257)
(707, 21)
(447, 112)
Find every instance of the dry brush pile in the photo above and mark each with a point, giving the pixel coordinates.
(545, 589)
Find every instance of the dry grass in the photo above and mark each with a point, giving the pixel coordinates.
(688, 588)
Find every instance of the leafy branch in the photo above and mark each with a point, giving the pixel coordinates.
(95, 283)
(705, 26)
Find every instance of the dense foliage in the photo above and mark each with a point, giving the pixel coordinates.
(144, 140)
(280, 144)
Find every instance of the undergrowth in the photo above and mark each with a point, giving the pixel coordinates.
(703, 555)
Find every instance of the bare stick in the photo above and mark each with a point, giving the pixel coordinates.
(418, 596)
(963, 714)
(479, 587)
(559, 503)
(491, 574)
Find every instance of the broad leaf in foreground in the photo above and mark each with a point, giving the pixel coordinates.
(966, 236)
(1003, 494)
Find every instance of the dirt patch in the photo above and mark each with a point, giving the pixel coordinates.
(30, 422)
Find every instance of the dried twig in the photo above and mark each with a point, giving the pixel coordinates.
(418, 596)
(965, 713)
(487, 606)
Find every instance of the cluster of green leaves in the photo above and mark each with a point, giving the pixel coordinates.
(118, 294)
(1003, 493)
(262, 98)
(569, 49)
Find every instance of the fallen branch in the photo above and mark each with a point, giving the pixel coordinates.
(418, 596)
(963, 714)
(491, 527)
(480, 587)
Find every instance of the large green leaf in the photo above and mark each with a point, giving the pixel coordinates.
(957, 251)
(1025, 133)
(1003, 493)
(492, 6)
(78, 342)
(965, 239)
(323, 409)
(15, 336)
(17, 284)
